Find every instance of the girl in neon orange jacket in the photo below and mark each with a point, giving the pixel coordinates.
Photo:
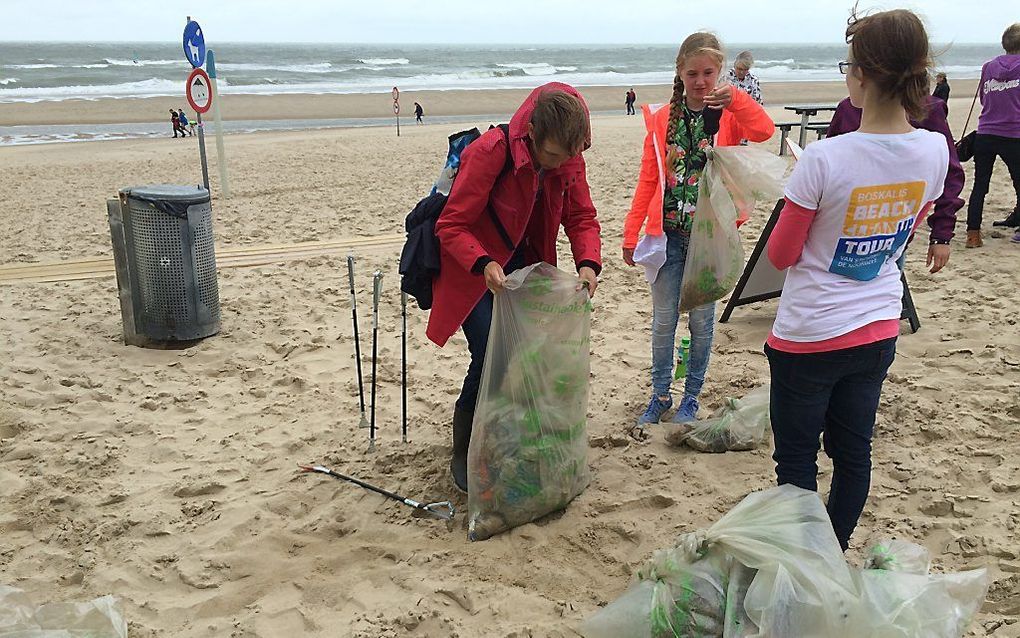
(700, 114)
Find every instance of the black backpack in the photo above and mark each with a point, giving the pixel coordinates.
(419, 259)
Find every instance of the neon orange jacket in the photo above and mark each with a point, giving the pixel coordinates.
(742, 119)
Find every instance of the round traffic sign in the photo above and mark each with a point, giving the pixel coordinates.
(194, 44)
(396, 107)
(396, 94)
(199, 91)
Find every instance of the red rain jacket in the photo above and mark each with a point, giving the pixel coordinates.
(466, 231)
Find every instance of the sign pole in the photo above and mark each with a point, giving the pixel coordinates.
(201, 151)
(221, 154)
(396, 107)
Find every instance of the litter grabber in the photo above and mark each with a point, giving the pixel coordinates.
(442, 509)
(376, 292)
(357, 340)
(403, 367)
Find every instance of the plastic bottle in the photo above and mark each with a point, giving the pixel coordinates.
(683, 354)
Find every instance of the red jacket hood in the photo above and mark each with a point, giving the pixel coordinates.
(519, 127)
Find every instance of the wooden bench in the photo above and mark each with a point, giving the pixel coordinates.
(820, 128)
(785, 128)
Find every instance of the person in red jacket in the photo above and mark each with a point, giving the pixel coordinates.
(700, 114)
(504, 213)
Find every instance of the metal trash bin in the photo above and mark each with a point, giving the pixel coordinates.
(166, 265)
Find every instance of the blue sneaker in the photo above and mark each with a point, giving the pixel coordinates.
(656, 408)
(688, 410)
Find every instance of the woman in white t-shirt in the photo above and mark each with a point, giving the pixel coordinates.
(851, 205)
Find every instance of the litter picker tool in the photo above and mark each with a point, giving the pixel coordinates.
(376, 291)
(442, 509)
(403, 366)
(357, 340)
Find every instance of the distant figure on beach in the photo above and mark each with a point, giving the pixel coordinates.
(656, 232)
(998, 133)
(175, 122)
(183, 119)
(631, 98)
(498, 220)
(741, 77)
(418, 113)
(941, 88)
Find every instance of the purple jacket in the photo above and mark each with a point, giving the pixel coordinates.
(1000, 97)
(942, 220)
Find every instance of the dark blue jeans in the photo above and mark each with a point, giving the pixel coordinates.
(476, 329)
(835, 395)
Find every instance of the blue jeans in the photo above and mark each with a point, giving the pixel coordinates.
(476, 330)
(835, 395)
(666, 315)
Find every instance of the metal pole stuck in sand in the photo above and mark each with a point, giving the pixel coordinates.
(403, 366)
(221, 154)
(376, 292)
(357, 341)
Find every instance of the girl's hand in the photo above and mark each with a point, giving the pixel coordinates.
(938, 257)
(588, 278)
(628, 256)
(720, 97)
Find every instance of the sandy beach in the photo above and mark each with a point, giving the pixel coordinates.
(167, 477)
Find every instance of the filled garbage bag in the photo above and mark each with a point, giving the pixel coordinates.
(900, 599)
(740, 424)
(529, 444)
(734, 178)
(772, 567)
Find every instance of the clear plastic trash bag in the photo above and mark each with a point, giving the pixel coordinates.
(529, 443)
(900, 599)
(21, 618)
(740, 424)
(795, 582)
(735, 178)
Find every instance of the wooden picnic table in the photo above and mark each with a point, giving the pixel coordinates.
(805, 111)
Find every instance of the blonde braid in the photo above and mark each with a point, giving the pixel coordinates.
(675, 104)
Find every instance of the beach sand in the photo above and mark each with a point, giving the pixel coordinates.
(168, 477)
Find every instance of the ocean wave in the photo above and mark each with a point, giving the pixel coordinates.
(319, 67)
(383, 61)
(6, 81)
(32, 66)
(97, 65)
(530, 68)
(116, 62)
(786, 62)
(144, 88)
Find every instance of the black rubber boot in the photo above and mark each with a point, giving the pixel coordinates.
(461, 438)
(1012, 221)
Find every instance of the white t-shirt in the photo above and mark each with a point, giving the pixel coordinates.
(868, 190)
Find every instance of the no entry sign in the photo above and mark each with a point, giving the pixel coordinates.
(199, 91)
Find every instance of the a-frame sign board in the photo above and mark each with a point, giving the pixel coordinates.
(761, 281)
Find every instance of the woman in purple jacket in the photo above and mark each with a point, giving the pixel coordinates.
(998, 133)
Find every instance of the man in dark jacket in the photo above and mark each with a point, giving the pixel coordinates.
(497, 220)
(942, 220)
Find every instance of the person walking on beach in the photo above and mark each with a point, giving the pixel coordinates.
(851, 203)
(631, 98)
(741, 77)
(175, 122)
(942, 220)
(942, 89)
(998, 133)
(699, 114)
(418, 113)
(183, 120)
(512, 193)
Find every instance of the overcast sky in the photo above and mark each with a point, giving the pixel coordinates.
(474, 21)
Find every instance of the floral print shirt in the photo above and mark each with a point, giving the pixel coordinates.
(748, 85)
(685, 159)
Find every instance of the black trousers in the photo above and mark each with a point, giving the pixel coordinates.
(986, 149)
